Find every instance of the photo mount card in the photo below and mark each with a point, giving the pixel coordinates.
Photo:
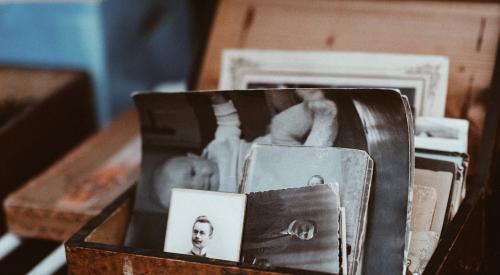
(461, 163)
(372, 120)
(423, 78)
(272, 167)
(433, 188)
(343, 242)
(205, 224)
(296, 228)
(442, 134)
(439, 175)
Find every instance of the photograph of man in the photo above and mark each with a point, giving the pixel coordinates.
(212, 227)
(202, 234)
(278, 238)
(285, 228)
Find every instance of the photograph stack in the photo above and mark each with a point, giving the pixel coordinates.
(263, 137)
(315, 137)
(327, 161)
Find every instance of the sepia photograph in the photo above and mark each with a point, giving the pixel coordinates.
(205, 224)
(296, 227)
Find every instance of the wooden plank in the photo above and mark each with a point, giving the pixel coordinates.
(465, 32)
(43, 114)
(113, 229)
(82, 260)
(31, 84)
(60, 200)
(94, 250)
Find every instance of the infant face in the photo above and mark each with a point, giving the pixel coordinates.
(191, 172)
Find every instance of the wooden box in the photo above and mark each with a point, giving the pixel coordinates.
(465, 32)
(56, 203)
(97, 249)
(43, 114)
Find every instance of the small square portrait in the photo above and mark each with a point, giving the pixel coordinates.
(205, 224)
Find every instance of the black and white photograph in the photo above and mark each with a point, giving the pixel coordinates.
(205, 224)
(269, 167)
(406, 89)
(250, 137)
(422, 78)
(296, 228)
(444, 134)
(199, 141)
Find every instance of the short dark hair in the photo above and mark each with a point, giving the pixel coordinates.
(315, 231)
(204, 219)
(318, 176)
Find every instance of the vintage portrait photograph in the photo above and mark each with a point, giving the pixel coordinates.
(422, 78)
(205, 224)
(269, 167)
(199, 140)
(296, 227)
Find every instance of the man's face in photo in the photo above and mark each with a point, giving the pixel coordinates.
(201, 234)
(304, 230)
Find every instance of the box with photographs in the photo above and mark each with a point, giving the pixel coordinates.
(417, 219)
(253, 142)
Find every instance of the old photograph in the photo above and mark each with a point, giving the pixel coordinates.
(205, 224)
(422, 78)
(461, 165)
(296, 227)
(199, 141)
(444, 134)
(269, 167)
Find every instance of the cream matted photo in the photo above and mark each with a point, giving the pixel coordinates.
(206, 224)
(422, 78)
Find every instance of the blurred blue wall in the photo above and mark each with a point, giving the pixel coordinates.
(125, 45)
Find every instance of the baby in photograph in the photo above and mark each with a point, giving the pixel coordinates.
(312, 123)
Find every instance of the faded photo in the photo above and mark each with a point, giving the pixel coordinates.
(422, 78)
(199, 140)
(296, 228)
(177, 154)
(276, 167)
(443, 134)
(303, 82)
(205, 224)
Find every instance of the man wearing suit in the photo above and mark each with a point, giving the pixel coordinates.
(274, 230)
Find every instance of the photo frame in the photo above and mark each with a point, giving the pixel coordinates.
(205, 224)
(422, 78)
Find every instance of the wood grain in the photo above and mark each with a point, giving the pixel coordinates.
(97, 261)
(96, 249)
(60, 200)
(465, 32)
(29, 83)
(43, 115)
